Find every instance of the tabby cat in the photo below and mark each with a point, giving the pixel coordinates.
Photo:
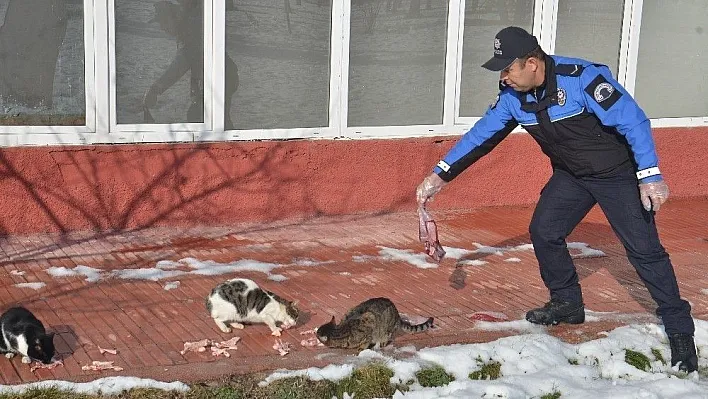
(240, 300)
(24, 334)
(370, 324)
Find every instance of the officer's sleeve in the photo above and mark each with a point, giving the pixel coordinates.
(615, 107)
(489, 131)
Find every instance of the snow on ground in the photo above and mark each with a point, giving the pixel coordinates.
(168, 269)
(536, 364)
(105, 386)
(171, 285)
(421, 261)
(34, 286)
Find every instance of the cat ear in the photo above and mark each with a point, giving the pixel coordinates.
(332, 321)
(295, 302)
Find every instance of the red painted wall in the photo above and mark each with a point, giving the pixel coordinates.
(104, 187)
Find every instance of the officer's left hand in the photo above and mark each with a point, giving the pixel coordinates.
(653, 194)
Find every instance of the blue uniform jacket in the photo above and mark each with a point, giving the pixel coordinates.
(582, 118)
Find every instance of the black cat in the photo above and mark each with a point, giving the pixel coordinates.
(24, 334)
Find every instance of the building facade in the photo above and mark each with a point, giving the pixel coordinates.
(131, 113)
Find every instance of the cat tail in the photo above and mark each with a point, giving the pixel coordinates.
(413, 328)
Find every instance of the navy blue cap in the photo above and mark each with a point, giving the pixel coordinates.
(509, 44)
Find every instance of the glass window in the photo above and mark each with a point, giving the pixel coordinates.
(483, 20)
(397, 62)
(673, 48)
(159, 61)
(42, 63)
(591, 30)
(277, 64)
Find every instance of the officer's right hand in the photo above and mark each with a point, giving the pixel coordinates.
(653, 194)
(430, 186)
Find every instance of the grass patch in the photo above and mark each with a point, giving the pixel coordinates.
(488, 371)
(51, 393)
(367, 382)
(636, 359)
(435, 376)
(658, 356)
(298, 388)
(552, 395)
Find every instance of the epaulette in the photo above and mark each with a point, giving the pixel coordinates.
(569, 69)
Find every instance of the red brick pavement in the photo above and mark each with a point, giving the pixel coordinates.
(148, 324)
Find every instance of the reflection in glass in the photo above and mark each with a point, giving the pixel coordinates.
(591, 30)
(42, 63)
(397, 62)
(673, 48)
(277, 64)
(483, 20)
(159, 61)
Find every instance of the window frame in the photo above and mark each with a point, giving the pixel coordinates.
(169, 132)
(100, 84)
(44, 134)
(633, 14)
(336, 86)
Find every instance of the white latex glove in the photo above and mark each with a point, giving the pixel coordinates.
(430, 186)
(653, 194)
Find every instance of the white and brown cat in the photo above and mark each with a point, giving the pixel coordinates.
(240, 300)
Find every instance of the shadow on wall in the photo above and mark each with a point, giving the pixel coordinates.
(119, 187)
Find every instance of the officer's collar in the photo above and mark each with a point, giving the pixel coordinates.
(549, 94)
(549, 84)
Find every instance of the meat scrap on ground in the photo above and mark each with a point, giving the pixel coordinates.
(49, 366)
(217, 348)
(98, 365)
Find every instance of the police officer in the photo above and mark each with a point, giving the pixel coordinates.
(602, 152)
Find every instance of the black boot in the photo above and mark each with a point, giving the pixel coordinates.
(683, 350)
(557, 311)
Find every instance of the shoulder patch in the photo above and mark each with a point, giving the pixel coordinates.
(603, 92)
(569, 69)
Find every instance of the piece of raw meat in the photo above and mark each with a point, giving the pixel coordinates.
(282, 347)
(97, 365)
(111, 351)
(196, 346)
(312, 340)
(217, 348)
(428, 234)
(39, 365)
(489, 316)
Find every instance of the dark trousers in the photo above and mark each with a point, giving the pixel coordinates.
(565, 200)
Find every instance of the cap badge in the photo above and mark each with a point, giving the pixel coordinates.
(497, 46)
